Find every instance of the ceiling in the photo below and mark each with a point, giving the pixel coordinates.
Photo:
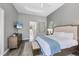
(39, 9)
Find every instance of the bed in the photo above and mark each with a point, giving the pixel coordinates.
(66, 40)
(65, 36)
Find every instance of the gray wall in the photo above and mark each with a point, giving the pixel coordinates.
(25, 19)
(65, 15)
(10, 17)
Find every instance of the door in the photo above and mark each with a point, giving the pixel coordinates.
(33, 30)
(1, 31)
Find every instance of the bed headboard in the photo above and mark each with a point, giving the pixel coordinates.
(68, 29)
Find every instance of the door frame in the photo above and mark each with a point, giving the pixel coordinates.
(2, 30)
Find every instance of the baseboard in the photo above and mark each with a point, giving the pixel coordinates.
(25, 39)
(5, 52)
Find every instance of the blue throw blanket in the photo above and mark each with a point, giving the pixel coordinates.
(54, 46)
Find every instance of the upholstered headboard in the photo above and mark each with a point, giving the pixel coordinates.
(68, 29)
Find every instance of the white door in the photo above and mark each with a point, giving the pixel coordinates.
(1, 31)
(33, 30)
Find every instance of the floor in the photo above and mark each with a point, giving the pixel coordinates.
(24, 50)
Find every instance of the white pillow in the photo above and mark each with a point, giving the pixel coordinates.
(59, 34)
(69, 35)
(63, 35)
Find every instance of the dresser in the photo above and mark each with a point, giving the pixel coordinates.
(14, 41)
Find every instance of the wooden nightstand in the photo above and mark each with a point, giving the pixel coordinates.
(14, 41)
(36, 48)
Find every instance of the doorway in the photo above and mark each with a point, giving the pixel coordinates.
(1, 31)
(33, 30)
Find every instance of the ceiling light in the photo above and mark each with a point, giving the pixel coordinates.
(33, 10)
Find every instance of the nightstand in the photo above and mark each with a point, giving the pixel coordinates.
(14, 41)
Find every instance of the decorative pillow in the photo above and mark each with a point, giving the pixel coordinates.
(63, 35)
(59, 34)
(69, 36)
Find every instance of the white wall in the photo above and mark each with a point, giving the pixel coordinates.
(25, 19)
(1, 31)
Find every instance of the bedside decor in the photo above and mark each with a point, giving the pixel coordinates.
(50, 29)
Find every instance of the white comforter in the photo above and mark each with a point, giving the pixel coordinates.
(65, 42)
